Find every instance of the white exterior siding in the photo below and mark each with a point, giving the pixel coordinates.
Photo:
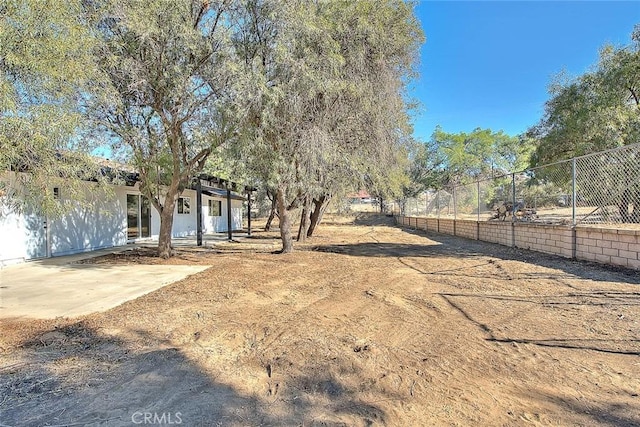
(184, 224)
(19, 237)
(218, 224)
(99, 222)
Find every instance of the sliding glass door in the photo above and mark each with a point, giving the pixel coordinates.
(138, 217)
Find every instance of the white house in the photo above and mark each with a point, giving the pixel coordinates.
(114, 218)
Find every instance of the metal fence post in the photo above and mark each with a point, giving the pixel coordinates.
(438, 203)
(478, 200)
(573, 192)
(513, 195)
(455, 204)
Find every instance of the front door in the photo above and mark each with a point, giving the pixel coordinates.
(138, 217)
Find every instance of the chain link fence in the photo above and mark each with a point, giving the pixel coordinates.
(608, 186)
(598, 188)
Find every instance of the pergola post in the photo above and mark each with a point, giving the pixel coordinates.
(249, 213)
(229, 226)
(199, 212)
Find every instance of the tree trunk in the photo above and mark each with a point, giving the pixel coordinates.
(272, 214)
(304, 220)
(285, 223)
(319, 207)
(166, 226)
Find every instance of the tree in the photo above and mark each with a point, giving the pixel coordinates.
(332, 77)
(466, 157)
(47, 74)
(595, 111)
(174, 79)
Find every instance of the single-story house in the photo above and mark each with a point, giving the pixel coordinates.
(116, 218)
(361, 196)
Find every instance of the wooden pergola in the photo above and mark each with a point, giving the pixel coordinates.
(214, 186)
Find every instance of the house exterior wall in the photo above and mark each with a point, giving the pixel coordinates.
(98, 222)
(218, 224)
(20, 240)
(183, 224)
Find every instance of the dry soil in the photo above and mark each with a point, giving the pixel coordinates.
(366, 324)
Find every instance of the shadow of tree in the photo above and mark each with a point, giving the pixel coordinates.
(439, 245)
(625, 346)
(76, 375)
(597, 412)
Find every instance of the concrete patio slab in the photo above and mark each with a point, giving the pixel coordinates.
(57, 287)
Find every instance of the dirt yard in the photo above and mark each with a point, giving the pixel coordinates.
(367, 324)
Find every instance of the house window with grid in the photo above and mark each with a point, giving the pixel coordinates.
(184, 205)
(215, 208)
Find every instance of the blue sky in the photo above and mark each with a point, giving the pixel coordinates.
(488, 64)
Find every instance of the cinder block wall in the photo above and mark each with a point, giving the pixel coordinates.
(467, 228)
(496, 232)
(604, 245)
(446, 226)
(555, 240)
(609, 246)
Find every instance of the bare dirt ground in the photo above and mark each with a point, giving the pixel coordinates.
(367, 324)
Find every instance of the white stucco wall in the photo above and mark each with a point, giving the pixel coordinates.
(22, 237)
(98, 222)
(218, 224)
(185, 224)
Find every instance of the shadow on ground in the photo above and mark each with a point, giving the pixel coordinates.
(439, 245)
(77, 376)
(625, 344)
(601, 412)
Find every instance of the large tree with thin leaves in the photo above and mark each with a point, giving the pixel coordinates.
(47, 76)
(332, 77)
(175, 82)
(596, 111)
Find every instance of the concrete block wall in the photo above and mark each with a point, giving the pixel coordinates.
(447, 226)
(620, 247)
(496, 232)
(467, 229)
(609, 246)
(555, 240)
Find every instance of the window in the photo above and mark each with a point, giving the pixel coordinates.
(215, 208)
(184, 205)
